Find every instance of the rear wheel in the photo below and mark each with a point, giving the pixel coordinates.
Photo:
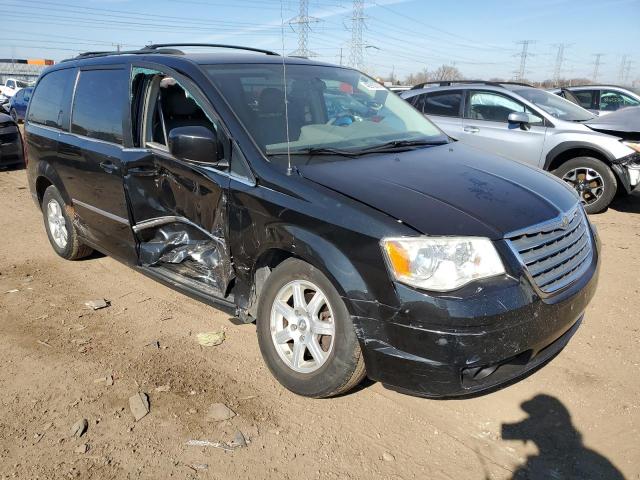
(305, 332)
(592, 179)
(61, 231)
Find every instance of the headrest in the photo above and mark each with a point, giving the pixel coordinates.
(271, 101)
(177, 102)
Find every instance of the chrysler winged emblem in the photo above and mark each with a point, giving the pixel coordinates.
(565, 222)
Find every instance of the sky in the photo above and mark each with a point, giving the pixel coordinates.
(402, 36)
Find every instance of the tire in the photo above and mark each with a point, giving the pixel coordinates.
(343, 365)
(55, 214)
(14, 115)
(592, 179)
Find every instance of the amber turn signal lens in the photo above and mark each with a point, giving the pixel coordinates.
(398, 257)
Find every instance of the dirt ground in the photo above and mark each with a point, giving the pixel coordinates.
(579, 417)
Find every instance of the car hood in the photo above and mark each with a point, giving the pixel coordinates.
(626, 120)
(448, 190)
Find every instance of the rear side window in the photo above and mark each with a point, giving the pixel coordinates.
(99, 104)
(587, 98)
(443, 103)
(47, 104)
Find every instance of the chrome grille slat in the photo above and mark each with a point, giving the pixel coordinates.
(553, 247)
(552, 262)
(529, 241)
(554, 254)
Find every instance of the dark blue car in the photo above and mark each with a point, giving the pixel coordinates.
(19, 102)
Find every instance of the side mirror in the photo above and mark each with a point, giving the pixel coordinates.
(521, 118)
(195, 143)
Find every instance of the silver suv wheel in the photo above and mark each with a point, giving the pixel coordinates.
(588, 183)
(302, 326)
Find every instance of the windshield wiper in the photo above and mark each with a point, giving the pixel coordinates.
(315, 151)
(398, 145)
(395, 145)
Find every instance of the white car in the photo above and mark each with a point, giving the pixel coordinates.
(11, 87)
(599, 99)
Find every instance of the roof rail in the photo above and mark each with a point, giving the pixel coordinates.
(142, 51)
(162, 48)
(156, 46)
(448, 83)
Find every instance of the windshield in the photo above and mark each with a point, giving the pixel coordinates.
(327, 107)
(555, 105)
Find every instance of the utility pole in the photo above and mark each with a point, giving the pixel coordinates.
(596, 66)
(627, 77)
(623, 68)
(523, 58)
(557, 71)
(356, 56)
(303, 21)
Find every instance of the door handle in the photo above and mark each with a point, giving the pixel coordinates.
(471, 129)
(108, 166)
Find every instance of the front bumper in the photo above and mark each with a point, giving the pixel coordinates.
(10, 147)
(481, 338)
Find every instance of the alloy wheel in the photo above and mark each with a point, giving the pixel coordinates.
(302, 326)
(587, 182)
(57, 224)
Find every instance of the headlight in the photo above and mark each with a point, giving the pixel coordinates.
(441, 263)
(633, 145)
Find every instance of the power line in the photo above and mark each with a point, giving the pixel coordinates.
(596, 66)
(523, 58)
(303, 20)
(356, 57)
(557, 71)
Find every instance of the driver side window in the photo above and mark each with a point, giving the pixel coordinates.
(494, 107)
(164, 104)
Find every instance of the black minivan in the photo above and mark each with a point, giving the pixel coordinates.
(310, 199)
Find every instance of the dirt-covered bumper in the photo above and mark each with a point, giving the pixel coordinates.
(10, 145)
(480, 338)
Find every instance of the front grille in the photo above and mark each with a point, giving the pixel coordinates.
(555, 253)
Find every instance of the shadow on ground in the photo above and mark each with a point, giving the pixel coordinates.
(627, 203)
(561, 453)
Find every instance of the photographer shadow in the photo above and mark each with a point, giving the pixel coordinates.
(561, 453)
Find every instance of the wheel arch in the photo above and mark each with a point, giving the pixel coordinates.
(313, 249)
(47, 176)
(568, 150)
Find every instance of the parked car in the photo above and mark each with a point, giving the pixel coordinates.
(11, 87)
(533, 126)
(624, 124)
(378, 247)
(10, 143)
(18, 104)
(600, 99)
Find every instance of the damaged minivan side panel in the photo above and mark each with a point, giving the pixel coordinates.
(179, 207)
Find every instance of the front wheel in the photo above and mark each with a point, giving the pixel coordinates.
(14, 114)
(305, 332)
(592, 179)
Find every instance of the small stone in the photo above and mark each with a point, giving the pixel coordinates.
(139, 405)
(97, 304)
(108, 380)
(387, 457)
(218, 412)
(79, 428)
(210, 339)
(84, 448)
(238, 440)
(199, 466)
(163, 388)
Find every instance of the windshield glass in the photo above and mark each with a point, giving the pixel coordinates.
(555, 105)
(327, 107)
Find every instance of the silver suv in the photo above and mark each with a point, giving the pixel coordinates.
(527, 124)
